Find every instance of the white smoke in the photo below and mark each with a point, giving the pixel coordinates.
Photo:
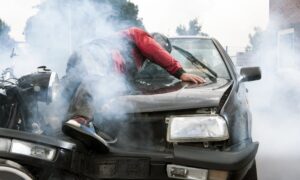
(275, 103)
(61, 28)
(57, 30)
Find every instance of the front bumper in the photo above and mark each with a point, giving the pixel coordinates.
(128, 164)
(151, 165)
(223, 160)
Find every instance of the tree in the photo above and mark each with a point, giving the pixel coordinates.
(181, 30)
(81, 14)
(5, 41)
(61, 26)
(127, 13)
(193, 29)
(4, 29)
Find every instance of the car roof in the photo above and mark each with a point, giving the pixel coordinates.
(190, 37)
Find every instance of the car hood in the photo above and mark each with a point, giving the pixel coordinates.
(175, 97)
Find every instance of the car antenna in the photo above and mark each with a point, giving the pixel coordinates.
(13, 54)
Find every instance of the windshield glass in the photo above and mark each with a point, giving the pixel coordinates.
(204, 51)
(197, 56)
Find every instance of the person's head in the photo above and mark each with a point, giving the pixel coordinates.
(163, 41)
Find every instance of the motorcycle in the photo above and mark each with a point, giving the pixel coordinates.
(25, 132)
(21, 98)
(30, 148)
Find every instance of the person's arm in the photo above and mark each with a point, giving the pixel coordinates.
(154, 52)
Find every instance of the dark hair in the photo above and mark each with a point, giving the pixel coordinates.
(163, 41)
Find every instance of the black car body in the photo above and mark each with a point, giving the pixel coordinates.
(158, 137)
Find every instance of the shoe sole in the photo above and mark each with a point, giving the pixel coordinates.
(89, 140)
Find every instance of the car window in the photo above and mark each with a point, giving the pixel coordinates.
(202, 49)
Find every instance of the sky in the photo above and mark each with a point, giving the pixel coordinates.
(15, 13)
(230, 21)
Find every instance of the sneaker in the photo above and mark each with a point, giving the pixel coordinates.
(79, 128)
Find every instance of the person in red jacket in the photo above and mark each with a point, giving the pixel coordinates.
(104, 57)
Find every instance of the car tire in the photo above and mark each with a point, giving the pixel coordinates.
(252, 173)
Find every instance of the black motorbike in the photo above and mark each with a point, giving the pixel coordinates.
(30, 148)
(20, 99)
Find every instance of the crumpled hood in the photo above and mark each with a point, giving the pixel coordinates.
(172, 98)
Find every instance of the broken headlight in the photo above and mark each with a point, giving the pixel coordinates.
(196, 128)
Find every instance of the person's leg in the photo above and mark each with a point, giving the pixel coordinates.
(85, 67)
(79, 120)
(81, 105)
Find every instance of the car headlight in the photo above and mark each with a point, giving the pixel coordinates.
(53, 87)
(196, 128)
(27, 148)
(32, 149)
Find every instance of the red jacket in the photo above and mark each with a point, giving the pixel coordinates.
(145, 47)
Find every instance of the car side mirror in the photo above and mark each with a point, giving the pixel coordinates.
(249, 74)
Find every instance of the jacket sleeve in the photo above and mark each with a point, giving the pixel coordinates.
(150, 49)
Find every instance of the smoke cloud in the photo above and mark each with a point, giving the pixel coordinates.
(275, 104)
(61, 28)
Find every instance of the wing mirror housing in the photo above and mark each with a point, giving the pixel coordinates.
(249, 74)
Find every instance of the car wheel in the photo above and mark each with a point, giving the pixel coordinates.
(252, 173)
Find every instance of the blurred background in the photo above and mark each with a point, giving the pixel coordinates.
(263, 33)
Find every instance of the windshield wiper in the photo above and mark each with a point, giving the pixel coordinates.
(212, 74)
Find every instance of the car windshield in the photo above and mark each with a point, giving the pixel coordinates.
(204, 51)
(197, 56)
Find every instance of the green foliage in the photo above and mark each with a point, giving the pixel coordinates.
(126, 12)
(181, 30)
(129, 13)
(5, 41)
(193, 29)
(79, 20)
(4, 29)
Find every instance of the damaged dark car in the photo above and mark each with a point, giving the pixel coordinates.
(176, 130)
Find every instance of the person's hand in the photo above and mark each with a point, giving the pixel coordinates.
(186, 77)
